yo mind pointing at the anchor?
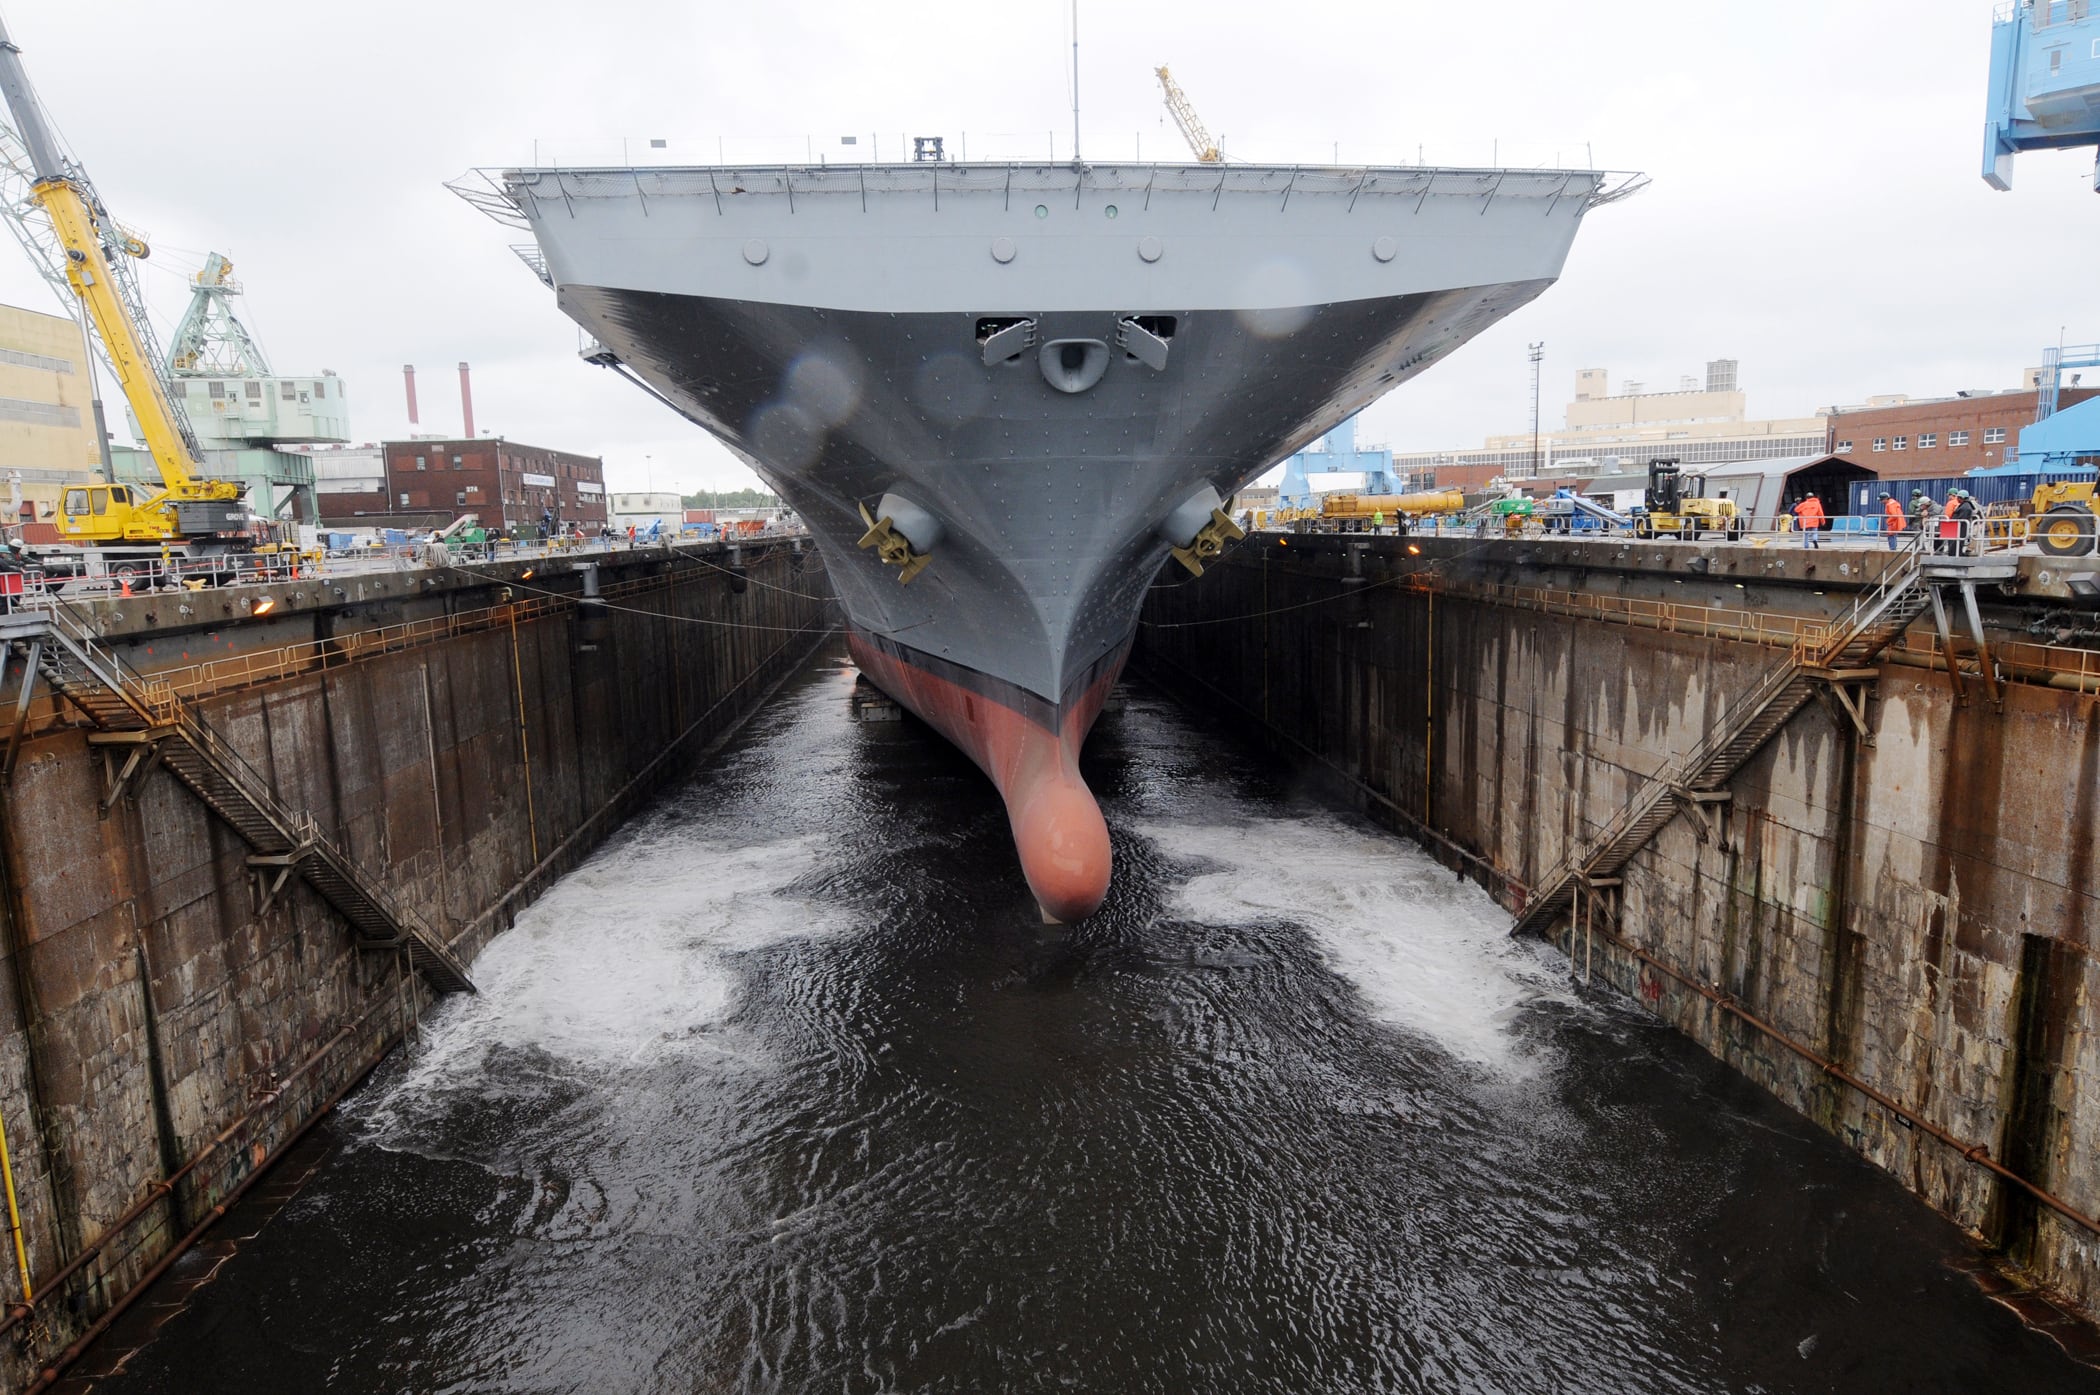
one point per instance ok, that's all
(1209, 542)
(892, 546)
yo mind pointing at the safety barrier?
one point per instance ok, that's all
(272, 568)
(2051, 665)
(1967, 537)
(231, 672)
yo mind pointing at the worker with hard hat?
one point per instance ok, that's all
(1808, 517)
(1926, 510)
(1960, 523)
(1893, 522)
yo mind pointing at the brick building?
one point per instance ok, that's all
(1907, 439)
(505, 483)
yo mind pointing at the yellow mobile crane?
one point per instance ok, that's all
(191, 523)
(1192, 128)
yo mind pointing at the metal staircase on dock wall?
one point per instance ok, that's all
(139, 723)
(1838, 655)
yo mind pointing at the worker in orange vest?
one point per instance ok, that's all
(1894, 521)
(1808, 517)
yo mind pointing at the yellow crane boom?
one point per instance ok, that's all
(73, 216)
(1192, 128)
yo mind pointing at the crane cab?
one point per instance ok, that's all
(2044, 84)
(91, 513)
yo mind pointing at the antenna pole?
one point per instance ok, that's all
(1075, 82)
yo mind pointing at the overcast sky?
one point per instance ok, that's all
(1816, 209)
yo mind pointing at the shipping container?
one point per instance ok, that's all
(1986, 489)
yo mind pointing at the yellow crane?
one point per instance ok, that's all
(190, 512)
(1192, 128)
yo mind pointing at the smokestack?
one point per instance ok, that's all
(466, 400)
(408, 376)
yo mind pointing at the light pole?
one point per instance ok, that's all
(1538, 352)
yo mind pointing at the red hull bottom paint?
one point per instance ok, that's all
(1058, 828)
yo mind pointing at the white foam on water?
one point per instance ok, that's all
(1427, 951)
(623, 960)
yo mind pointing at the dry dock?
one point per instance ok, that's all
(1831, 814)
(243, 844)
(1835, 822)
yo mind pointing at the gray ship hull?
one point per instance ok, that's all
(1050, 505)
(1043, 377)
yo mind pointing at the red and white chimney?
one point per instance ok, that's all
(466, 400)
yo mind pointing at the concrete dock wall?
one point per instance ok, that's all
(151, 1003)
(1919, 909)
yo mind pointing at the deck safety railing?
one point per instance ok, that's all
(231, 672)
(1960, 538)
(2052, 665)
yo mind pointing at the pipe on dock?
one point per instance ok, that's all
(1937, 663)
(1364, 505)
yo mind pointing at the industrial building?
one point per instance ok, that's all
(346, 470)
(507, 484)
(1699, 421)
(47, 424)
(1763, 489)
(1901, 438)
(248, 421)
(642, 509)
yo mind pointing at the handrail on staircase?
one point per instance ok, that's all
(1808, 649)
(1868, 604)
(162, 705)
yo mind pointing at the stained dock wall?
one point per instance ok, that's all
(1915, 905)
(465, 737)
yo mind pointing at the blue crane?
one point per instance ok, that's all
(2045, 83)
(2068, 438)
(1336, 453)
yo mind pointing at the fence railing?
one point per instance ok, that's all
(231, 672)
(1956, 537)
(2055, 665)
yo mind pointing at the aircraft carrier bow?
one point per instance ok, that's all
(1001, 396)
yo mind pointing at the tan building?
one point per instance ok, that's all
(1698, 421)
(47, 420)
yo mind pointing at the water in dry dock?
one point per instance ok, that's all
(785, 1091)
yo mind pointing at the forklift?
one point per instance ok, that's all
(1676, 506)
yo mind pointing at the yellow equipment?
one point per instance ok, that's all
(1414, 505)
(1192, 128)
(1350, 513)
(1676, 506)
(2063, 523)
(187, 508)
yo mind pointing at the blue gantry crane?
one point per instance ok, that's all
(2067, 438)
(1336, 453)
(2045, 83)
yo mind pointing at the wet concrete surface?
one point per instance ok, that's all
(787, 1090)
